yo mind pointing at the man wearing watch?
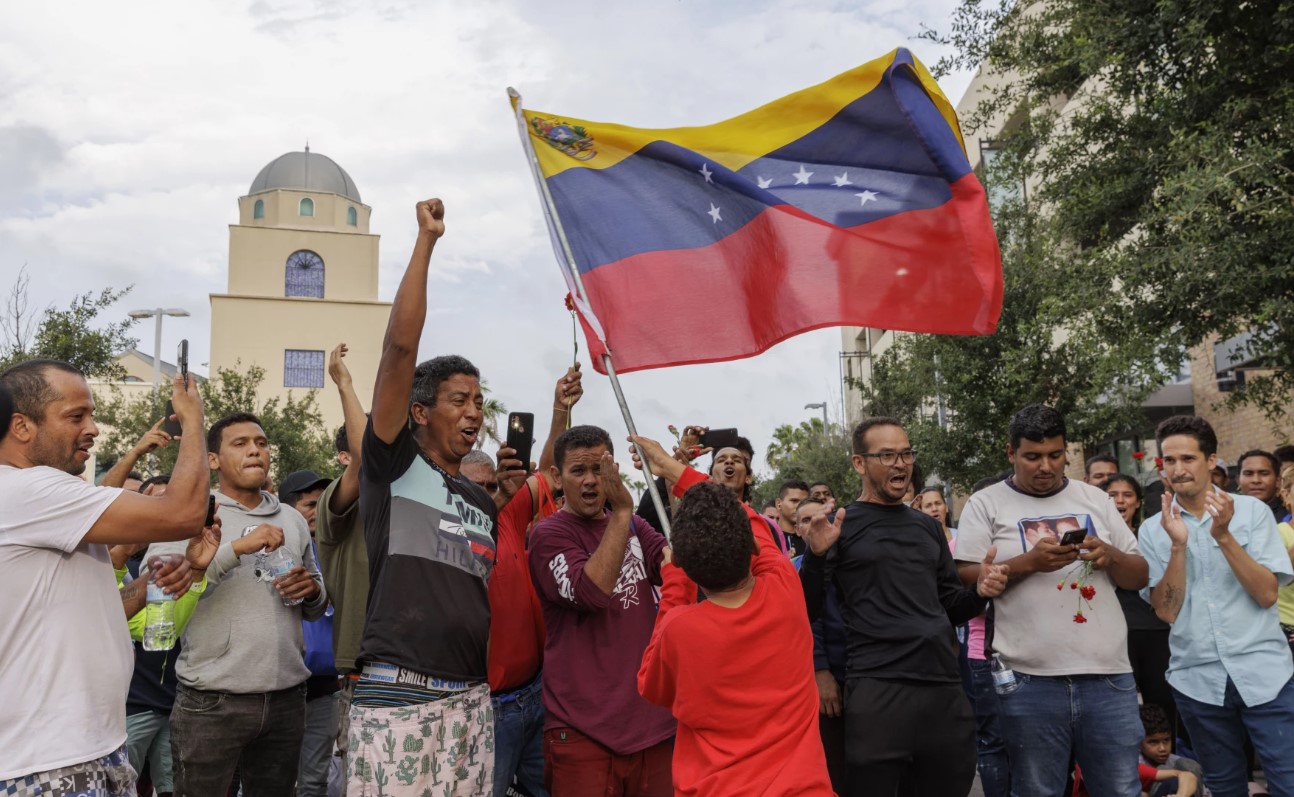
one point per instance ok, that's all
(907, 718)
(241, 698)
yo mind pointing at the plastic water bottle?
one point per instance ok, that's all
(278, 562)
(1004, 680)
(159, 619)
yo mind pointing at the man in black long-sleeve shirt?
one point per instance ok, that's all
(906, 715)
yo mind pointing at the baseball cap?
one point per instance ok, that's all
(301, 481)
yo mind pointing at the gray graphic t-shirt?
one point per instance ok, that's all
(431, 547)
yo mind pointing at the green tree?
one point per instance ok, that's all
(811, 453)
(295, 427)
(75, 335)
(493, 409)
(1172, 175)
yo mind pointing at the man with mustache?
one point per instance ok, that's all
(1216, 563)
(1067, 645)
(67, 657)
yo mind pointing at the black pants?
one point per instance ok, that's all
(832, 730)
(920, 735)
(1148, 654)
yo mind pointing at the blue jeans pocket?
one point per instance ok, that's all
(1121, 683)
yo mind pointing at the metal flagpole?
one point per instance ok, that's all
(555, 225)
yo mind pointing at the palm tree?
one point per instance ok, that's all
(492, 409)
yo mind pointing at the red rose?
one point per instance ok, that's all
(1079, 618)
(1073, 585)
(1088, 592)
(1061, 585)
(1138, 455)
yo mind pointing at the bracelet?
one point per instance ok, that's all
(563, 409)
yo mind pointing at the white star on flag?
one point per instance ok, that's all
(764, 182)
(802, 176)
(714, 213)
(706, 173)
(843, 180)
(866, 196)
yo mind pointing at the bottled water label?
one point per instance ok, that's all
(156, 594)
(1003, 678)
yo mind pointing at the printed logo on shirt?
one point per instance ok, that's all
(431, 522)
(1054, 527)
(632, 570)
(561, 576)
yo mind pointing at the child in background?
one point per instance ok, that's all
(1156, 751)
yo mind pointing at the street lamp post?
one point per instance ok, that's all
(158, 313)
(822, 405)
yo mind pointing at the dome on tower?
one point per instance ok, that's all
(305, 171)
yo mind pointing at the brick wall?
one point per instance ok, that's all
(1242, 429)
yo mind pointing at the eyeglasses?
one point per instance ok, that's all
(889, 458)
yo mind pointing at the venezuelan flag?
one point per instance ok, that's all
(850, 203)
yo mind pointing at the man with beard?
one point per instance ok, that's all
(67, 654)
(1216, 563)
(596, 567)
(907, 718)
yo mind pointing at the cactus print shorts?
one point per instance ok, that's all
(444, 748)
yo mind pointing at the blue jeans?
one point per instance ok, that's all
(994, 768)
(1094, 717)
(519, 739)
(1217, 734)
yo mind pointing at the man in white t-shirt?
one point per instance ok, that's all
(67, 655)
(1059, 625)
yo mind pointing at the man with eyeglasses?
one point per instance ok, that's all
(906, 715)
(1059, 625)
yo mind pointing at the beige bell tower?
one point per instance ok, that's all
(303, 271)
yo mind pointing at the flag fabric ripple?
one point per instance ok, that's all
(850, 203)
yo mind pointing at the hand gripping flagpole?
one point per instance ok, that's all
(567, 259)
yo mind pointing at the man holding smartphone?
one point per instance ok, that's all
(1068, 645)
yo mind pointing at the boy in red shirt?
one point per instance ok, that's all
(737, 669)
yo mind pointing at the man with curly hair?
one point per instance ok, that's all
(747, 711)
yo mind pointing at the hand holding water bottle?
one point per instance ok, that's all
(168, 578)
(293, 582)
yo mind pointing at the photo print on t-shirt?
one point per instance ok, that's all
(1053, 526)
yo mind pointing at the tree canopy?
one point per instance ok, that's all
(75, 335)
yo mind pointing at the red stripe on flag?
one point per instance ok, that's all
(936, 271)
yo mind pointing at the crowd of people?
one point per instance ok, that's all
(434, 621)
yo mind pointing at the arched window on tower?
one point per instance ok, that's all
(307, 207)
(258, 210)
(352, 218)
(304, 275)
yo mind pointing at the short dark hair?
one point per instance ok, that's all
(824, 484)
(1191, 426)
(1258, 452)
(866, 425)
(6, 410)
(586, 436)
(28, 388)
(1284, 453)
(430, 373)
(341, 442)
(1035, 422)
(987, 481)
(792, 484)
(712, 540)
(1092, 460)
(808, 502)
(1154, 720)
(162, 478)
(217, 430)
(918, 480)
(136, 475)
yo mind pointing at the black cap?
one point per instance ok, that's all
(301, 481)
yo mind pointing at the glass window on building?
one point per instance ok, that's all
(352, 217)
(307, 207)
(258, 210)
(304, 275)
(303, 368)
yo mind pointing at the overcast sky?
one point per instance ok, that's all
(128, 131)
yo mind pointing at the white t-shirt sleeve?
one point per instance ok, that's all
(974, 531)
(47, 508)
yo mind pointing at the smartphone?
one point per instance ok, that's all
(1074, 537)
(719, 438)
(170, 426)
(211, 511)
(521, 435)
(182, 359)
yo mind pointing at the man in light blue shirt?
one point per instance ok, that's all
(1216, 561)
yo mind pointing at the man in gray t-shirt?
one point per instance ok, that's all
(1058, 625)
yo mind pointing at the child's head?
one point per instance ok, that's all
(1159, 736)
(712, 540)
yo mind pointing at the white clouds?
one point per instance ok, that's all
(127, 132)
